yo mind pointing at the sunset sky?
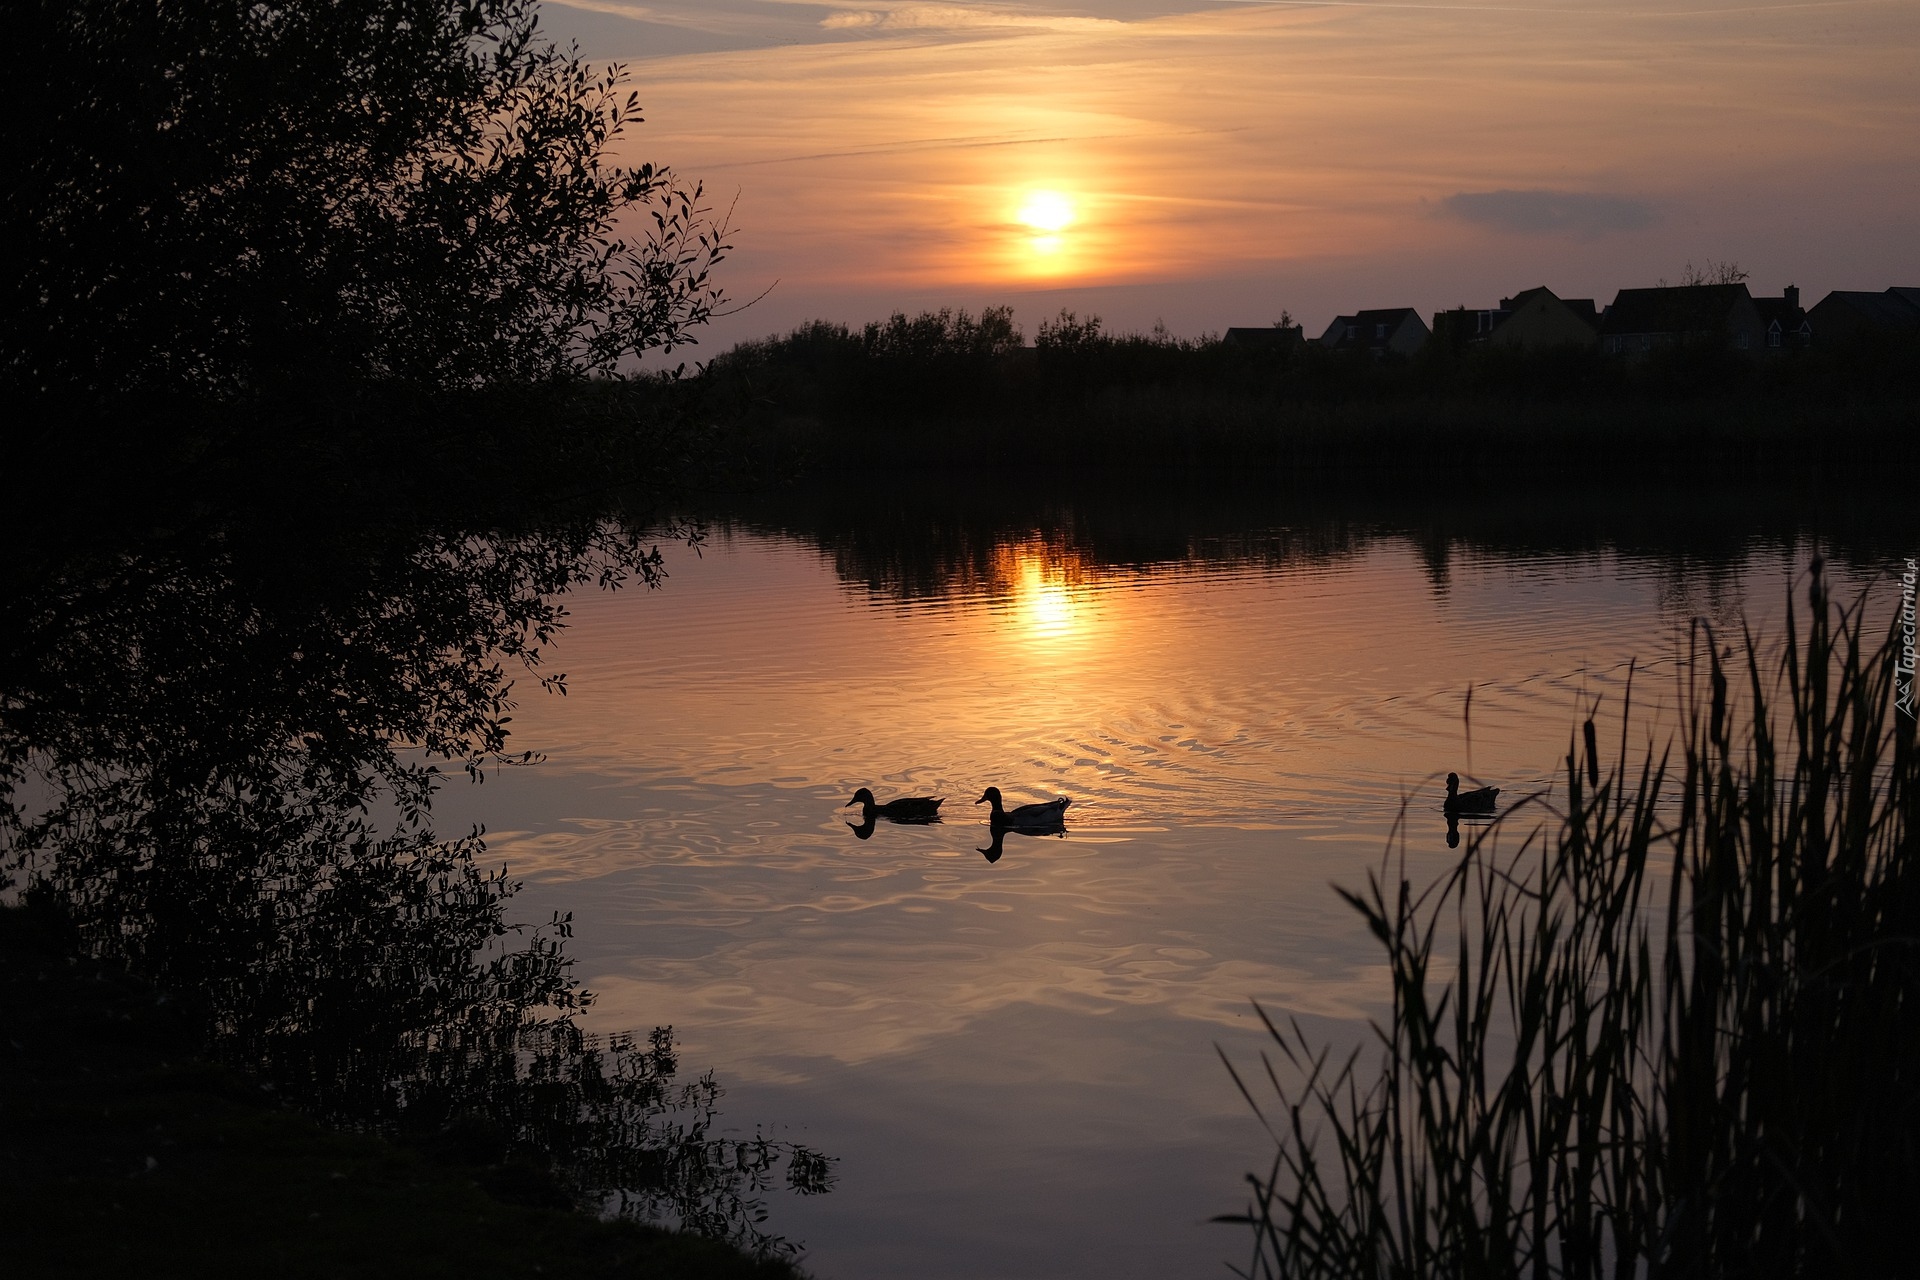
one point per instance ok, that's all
(1212, 164)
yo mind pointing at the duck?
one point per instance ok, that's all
(905, 809)
(1479, 801)
(1027, 815)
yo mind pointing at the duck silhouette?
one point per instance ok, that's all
(1027, 817)
(905, 809)
(1476, 803)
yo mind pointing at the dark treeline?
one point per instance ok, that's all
(950, 388)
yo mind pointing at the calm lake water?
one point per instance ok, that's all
(1012, 1052)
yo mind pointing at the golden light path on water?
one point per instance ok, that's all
(1045, 596)
(993, 1045)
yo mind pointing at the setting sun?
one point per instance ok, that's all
(1047, 211)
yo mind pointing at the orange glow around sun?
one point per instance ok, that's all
(1045, 215)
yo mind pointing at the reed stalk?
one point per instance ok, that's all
(1674, 1030)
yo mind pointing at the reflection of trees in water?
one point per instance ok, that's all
(901, 538)
(219, 760)
(907, 542)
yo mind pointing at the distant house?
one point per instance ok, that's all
(1841, 316)
(1272, 337)
(1532, 320)
(1645, 320)
(1395, 329)
(1465, 327)
(1586, 311)
(1786, 322)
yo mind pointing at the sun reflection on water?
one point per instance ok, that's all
(1047, 590)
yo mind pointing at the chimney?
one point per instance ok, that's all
(1792, 294)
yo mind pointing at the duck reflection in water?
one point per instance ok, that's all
(993, 850)
(910, 811)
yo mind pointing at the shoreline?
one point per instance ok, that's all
(1867, 443)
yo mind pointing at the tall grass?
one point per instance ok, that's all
(1674, 1032)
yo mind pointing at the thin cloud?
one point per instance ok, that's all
(1537, 212)
(944, 17)
(914, 145)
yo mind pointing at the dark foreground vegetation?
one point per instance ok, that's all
(126, 1152)
(1667, 1031)
(954, 390)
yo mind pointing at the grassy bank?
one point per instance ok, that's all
(952, 391)
(1664, 1028)
(126, 1153)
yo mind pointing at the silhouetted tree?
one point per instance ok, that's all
(216, 200)
(1710, 272)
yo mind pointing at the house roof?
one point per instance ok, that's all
(1365, 324)
(1383, 315)
(1521, 298)
(1894, 309)
(1581, 307)
(1687, 308)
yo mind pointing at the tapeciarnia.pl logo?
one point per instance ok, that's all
(1903, 665)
